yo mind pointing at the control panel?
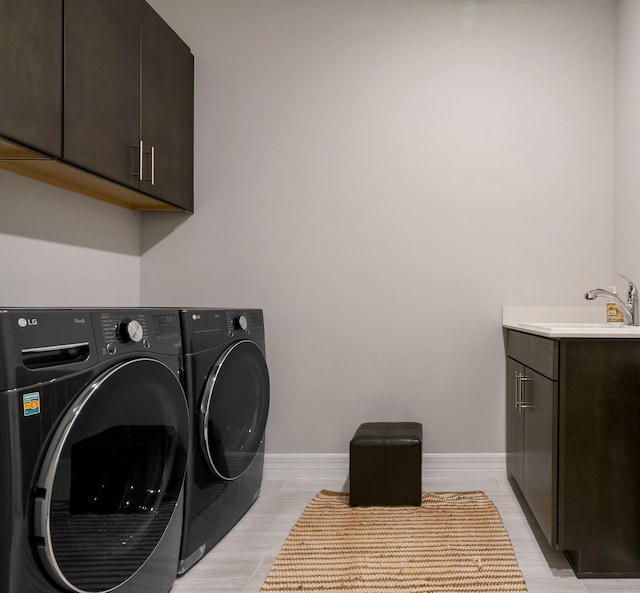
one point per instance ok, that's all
(120, 328)
(205, 328)
(237, 322)
(124, 331)
(37, 345)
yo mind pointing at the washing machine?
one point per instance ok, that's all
(94, 434)
(227, 386)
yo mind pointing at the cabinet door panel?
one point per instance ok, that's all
(102, 87)
(540, 404)
(599, 512)
(31, 73)
(515, 424)
(167, 111)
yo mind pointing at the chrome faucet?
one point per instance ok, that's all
(629, 309)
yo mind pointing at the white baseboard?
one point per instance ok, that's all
(284, 466)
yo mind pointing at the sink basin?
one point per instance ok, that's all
(577, 330)
(579, 325)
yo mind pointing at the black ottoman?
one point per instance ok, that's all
(385, 464)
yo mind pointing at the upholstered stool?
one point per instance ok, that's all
(385, 464)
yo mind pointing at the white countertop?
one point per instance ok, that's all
(565, 322)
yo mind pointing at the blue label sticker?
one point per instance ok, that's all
(31, 403)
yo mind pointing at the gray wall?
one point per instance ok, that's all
(60, 249)
(381, 176)
(627, 194)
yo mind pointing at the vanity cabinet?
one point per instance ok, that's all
(573, 445)
(128, 98)
(31, 75)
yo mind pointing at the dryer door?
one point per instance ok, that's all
(234, 409)
(112, 476)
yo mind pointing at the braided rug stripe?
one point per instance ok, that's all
(454, 542)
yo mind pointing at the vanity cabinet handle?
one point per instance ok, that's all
(519, 403)
(522, 403)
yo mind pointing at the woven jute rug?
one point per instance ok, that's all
(454, 542)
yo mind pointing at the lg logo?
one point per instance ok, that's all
(22, 322)
(195, 317)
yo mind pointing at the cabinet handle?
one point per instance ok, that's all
(522, 403)
(141, 160)
(517, 391)
(152, 159)
(153, 165)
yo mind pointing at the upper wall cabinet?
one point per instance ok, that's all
(31, 73)
(128, 109)
(124, 111)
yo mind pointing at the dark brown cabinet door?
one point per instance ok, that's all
(515, 423)
(599, 466)
(31, 73)
(532, 425)
(167, 112)
(539, 405)
(101, 91)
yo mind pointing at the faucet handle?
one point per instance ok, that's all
(633, 291)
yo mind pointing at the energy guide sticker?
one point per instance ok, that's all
(31, 403)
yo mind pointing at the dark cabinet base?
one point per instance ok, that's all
(594, 425)
(581, 564)
(602, 561)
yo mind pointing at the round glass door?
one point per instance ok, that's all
(112, 476)
(234, 409)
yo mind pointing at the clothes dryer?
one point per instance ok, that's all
(227, 386)
(94, 433)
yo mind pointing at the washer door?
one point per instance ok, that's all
(112, 476)
(234, 409)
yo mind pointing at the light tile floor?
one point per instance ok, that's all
(241, 561)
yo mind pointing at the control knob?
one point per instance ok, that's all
(240, 323)
(130, 330)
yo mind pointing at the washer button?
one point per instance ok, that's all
(130, 330)
(240, 323)
(111, 348)
(145, 343)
